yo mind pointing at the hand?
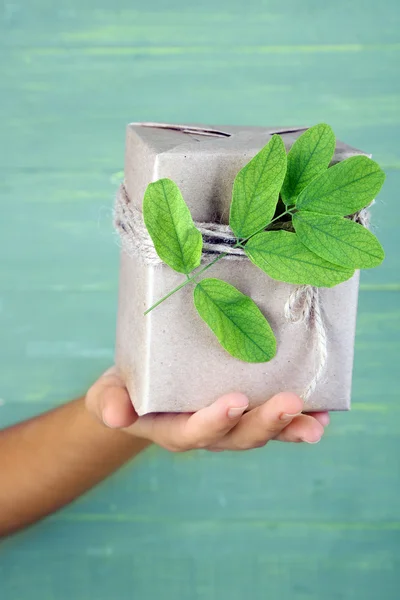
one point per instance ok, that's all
(220, 426)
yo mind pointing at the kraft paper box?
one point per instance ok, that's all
(170, 359)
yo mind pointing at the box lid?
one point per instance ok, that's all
(202, 159)
(172, 138)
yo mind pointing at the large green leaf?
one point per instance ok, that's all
(309, 156)
(338, 240)
(238, 323)
(282, 256)
(343, 189)
(170, 225)
(256, 189)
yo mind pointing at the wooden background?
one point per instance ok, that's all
(283, 522)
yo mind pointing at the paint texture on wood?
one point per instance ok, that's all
(288, 522)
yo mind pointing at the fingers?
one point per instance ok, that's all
(264, 423)
(109, 401)
(304, 428)
(180, 432)
(221, 426)
(215, 421)
(322, 417)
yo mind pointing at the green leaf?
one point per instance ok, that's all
(256, 189)
(309, 156)
(236, 320)
(170, 225)
(338, 240)
(343, 189)
(282, 256)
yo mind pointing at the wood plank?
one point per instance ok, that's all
(287, 522)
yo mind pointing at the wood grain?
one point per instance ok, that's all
(287, 522)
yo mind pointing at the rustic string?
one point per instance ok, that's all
(303, 305)
(128, 221)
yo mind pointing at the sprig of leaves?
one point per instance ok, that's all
(310, 243)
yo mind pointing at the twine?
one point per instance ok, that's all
(303, 305)
(128, 221)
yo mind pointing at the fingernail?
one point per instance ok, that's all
(104, 419)
(287, 417)
(235, 412)
(310, 442)
(324, 419)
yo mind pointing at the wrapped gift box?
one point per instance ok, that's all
(170, 360)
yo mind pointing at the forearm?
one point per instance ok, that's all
(47, 462)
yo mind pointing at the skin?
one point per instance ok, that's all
(52, 459)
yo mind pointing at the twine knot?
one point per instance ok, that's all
(304, 306)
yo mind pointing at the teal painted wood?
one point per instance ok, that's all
(286, 522)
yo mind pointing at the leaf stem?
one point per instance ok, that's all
(189, 279)
(287, 212)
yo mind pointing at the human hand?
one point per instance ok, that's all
(221, 426)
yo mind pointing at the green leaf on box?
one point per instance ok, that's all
(168, 220)
(256, 189)
(236, 320)
(343, 189)
(309, 156)
(283, 257)
(338, 240)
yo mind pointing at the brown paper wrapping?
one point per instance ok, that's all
(170, 360)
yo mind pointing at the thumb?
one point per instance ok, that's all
(181, 432)
(108, 400)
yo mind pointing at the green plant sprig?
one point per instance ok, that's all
(324, 249)
(191, 278)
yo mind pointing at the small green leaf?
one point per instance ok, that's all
(338, 240)
(236, 320)
(282, 256)
(343, 189)
(256, 189)
(309, 156)
(170, 225)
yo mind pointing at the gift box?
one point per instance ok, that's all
(169, 359)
